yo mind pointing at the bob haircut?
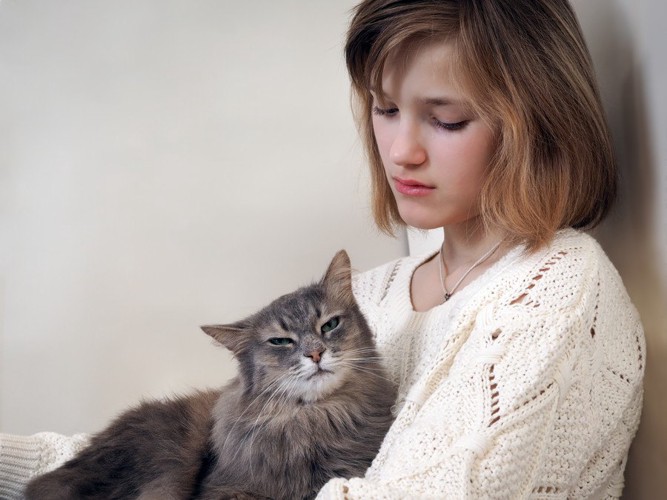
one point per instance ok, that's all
(524, 67)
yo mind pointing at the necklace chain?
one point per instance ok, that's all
(441, 264)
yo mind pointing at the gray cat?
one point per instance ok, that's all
(311, 402)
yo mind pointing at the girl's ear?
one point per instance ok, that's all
(338, 278)
(232, 336)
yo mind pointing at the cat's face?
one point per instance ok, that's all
(303, 344)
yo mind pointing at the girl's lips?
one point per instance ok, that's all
(410, 187)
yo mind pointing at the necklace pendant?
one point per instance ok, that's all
(447, 296)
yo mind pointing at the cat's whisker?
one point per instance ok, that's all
(267, 389)
(362, 351)
(255, 426)
(369, 358)
(361, 365)
(283, 383)
(367, 371)
(285, 387)
(361, 357)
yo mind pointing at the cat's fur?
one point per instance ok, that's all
(311, 402)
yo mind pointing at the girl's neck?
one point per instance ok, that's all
(463, 246)
(465, 243)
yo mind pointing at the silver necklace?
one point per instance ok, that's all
(441, 264)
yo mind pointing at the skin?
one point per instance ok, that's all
(426, 133)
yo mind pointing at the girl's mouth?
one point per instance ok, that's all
(410, 187)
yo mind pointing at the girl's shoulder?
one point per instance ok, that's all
(572, 269)
(572, 272)
(373, 285)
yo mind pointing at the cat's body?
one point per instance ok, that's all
(311, 402)
(157, 446)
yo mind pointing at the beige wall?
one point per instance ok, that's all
(627, 40)
(163, 164)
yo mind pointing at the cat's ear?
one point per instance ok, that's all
(231, 336)
(338, 278)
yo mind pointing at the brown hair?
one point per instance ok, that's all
(526, 70)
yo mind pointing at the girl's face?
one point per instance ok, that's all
(435, 151)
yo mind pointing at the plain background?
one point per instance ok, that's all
(171, 163)
(165, 164)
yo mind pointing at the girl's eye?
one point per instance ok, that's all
(384, 111)
(284, 341)
(330, 325)
(452, 127)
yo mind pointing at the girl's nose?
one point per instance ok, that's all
(407, 149)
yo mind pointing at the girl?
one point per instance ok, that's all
(518, 355)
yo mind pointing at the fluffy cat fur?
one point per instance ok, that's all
(311, 402)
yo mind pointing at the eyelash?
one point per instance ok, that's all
(384, 111)
(450, 127)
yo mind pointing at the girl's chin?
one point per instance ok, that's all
(421, 217)
(427, 221)
(422, 223)
(423, 227)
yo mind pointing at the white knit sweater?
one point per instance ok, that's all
(526, 384)
(532, 387)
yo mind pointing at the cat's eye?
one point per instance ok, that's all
(330, 325)
(281, 341)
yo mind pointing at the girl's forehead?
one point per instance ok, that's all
(423, 69)
(438, 55)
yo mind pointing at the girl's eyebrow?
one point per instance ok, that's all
(424, 101)
(441, 101)
(378, 94)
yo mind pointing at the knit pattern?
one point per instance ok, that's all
(528, 385)
(22, 457)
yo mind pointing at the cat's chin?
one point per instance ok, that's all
(319, 385)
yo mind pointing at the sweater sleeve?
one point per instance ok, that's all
(536, 395)
(23, 457)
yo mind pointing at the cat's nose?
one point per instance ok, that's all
(315, 354)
